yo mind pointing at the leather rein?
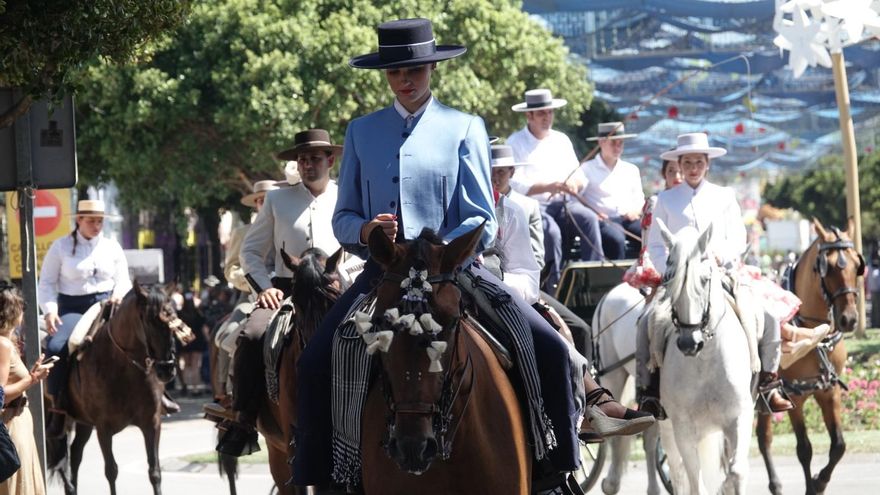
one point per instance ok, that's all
(149, 361)
(457, 385)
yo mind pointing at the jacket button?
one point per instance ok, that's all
(392, 204)
(395, 179)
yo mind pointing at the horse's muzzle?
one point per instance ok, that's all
(690, 342)
(413, 454)
(165, 372)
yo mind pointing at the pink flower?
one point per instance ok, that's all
(874, 384)
(853, 384)
(847, 370)
(871, 392)
(863, 383)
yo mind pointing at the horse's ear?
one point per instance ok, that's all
(291, 262)
(380, 246)
(703, 241)
(462, 247)
(138, 289)
(333, 261)
(667, 236)
(820, 230)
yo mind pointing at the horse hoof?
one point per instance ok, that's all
(609, 487)
(818, 485)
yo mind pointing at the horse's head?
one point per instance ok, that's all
(689, 283)
(159, 326)
(316, 286)
(415, 328)
(838, 265)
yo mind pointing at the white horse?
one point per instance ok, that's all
(614, 335)
(707, 368)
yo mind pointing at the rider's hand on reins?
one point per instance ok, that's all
(52, 323)
(388, 223)
(270, 298)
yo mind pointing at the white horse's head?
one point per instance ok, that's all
(689, 283)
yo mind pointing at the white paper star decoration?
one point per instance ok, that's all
(808, 29)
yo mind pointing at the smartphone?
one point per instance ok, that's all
(51, 359)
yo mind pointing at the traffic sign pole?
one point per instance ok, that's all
(30, 324)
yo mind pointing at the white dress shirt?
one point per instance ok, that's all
(291, 217)
(518, 264)
(706, 205)
(551, 159)
(98, 265)
(536, 225)
(410, 117)
(613, 191)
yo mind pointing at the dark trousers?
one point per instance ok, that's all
(614, 239)
(587, 226)
(312, 463)
(580, 329)
(70, 309)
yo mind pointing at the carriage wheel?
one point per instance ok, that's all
(592, 461)
(663, 467)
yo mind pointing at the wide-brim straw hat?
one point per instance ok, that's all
(694, 142)
(539, 99)
(312, 139)
(611, 130)
(260, 188)
(92, 208)
(502, 156)
(406, 43)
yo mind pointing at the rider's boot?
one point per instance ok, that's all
(610, 418)
(649, 397)
(769, 386)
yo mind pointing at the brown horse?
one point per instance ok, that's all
(443, 401)
(315, 288)
(117, 381)
(825, 279)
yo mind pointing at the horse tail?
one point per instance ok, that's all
(57, 460)
(227, 465)
(714, 469)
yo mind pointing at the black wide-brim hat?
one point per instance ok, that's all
(406, 43)
(312, 139)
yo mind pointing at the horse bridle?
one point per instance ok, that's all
(149, 361)
(456, 383)
(704, 320)
(821, 266)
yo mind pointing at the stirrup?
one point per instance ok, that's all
(652, 405)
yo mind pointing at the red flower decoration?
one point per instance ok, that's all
(740, 128)
(672, 112)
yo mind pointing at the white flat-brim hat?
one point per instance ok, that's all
(502, 156)
(539, 99)
(261, 187)
(611, 130)
(91, 208)
(694, 142)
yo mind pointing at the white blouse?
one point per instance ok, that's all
(518, 264)
(98, 265)
(706, 205)
(613, 191)
(551, 159)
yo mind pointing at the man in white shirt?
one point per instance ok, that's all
(294, 218)
(553, 177)
(614, 191)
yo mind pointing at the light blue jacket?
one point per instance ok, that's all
(438, 170)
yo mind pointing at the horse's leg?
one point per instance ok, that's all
(804, 448)
(764, 431)
(620, 446)
(736, 445)
(81, 437)
(280, 470)
(688, 442)
(829, 401)
(111, 470)
(151, 434)
(649, 440)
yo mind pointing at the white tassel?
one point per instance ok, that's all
(378, 341)
(435, 352)
(391, 315)
(362, 322)
(429, 324)
(405, 322)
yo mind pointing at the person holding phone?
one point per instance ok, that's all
(15, 379)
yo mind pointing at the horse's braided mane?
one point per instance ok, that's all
(313, 291)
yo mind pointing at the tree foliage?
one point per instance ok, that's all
(44, 42)
(230, 87)
(821, 193)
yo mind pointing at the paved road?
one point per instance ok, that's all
(188, 434)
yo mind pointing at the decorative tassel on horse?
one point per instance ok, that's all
(435, 352)
(378, 341)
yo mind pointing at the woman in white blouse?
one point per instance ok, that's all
(79, 270)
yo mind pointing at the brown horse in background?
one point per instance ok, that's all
(825, 279)
(315, 289)
(453, 429)
(117, 381)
